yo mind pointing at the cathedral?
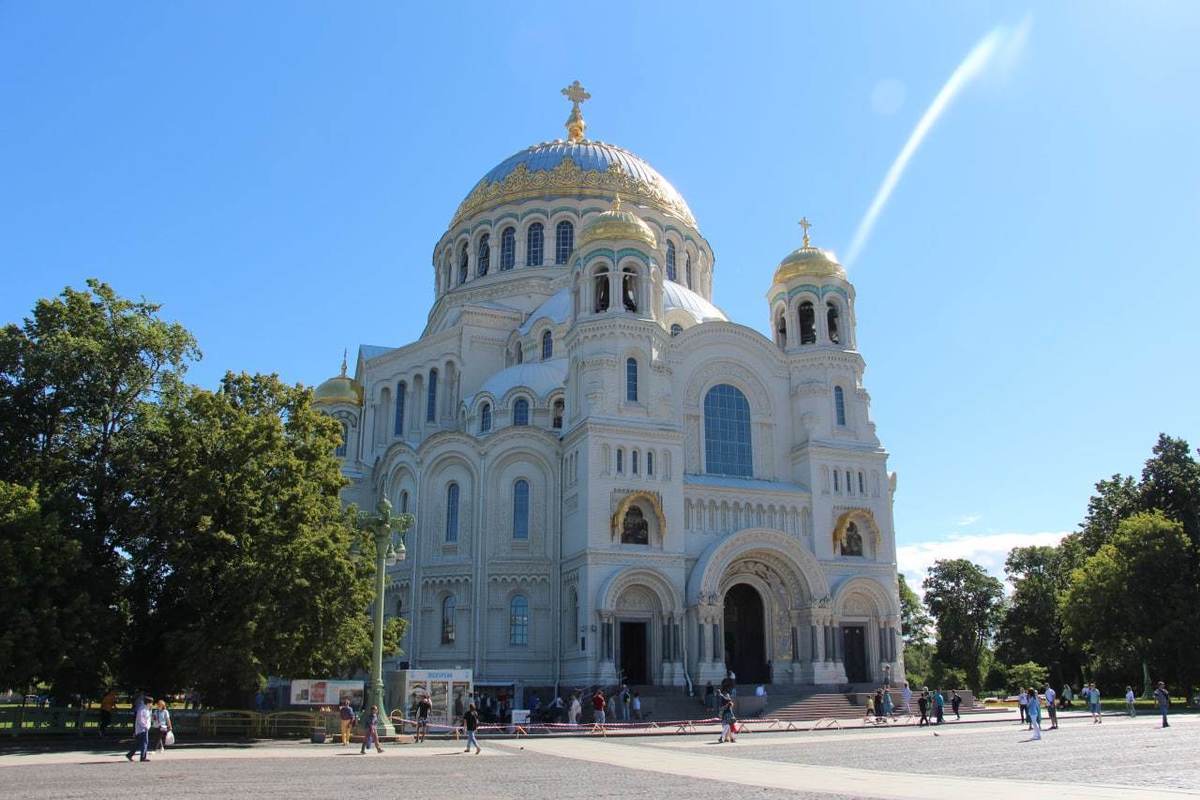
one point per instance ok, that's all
(612, 480)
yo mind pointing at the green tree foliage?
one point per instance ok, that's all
(1031, 629)
(1024, 676)
(241, 557)
(73, 378)
(915, 626)
(1136, 597)
(966, 603)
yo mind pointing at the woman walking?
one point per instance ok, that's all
(888, 708)
(372, 734)
(1093, 695)
(1130, 708)
(471, 723)
(1035, 713)
(728, 721)
(160, 719)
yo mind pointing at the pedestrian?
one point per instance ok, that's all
(923, 703)
(1093, 695)
(1067, 695)
(108, 704)
(1023, 706)
(710, 696)
(598, 704)
(345, 720)
(141, 730)
(424, 706)
(955, 702)
(728, 720)
(889, 710)
(471, 723)
(637, 706)
(1050, 707)
(939, 706)
(870, 708)
(371, 735)
(1035, 713)
(879, 705)
(1130, 708)
(626, 702)
(906, 696)
(1164, 702)
(576, 709)
(160, 726)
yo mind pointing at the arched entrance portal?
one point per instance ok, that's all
(745, 634)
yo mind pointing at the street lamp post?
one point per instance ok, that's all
(383, 526)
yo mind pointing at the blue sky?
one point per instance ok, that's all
(276, 174)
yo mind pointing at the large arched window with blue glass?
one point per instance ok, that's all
(535, 239)
(727, 449)
(564, 241)
(401, 399)
(452, 513)
(508, 248)
(521, 412)
(484, 260)
(631, 380)
(485, 418)
(521, 509)
(431, 397)
(464, 260)
(671, 276)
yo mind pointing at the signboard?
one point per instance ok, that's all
(520, 716)
(326, 693)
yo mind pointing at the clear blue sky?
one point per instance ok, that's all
(276, 174)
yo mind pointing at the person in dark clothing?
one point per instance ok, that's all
(424, 706)
(471, 723)
(879, 704)
(955, 702)
(1164, 702)
(923, 704)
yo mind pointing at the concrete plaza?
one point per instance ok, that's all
(1121, 758)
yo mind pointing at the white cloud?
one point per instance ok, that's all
(968, 519)
(988, 550)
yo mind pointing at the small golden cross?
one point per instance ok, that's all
(576, 93)
(805, 224)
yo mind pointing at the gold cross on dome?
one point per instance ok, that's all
(805, 224)
(575, 124)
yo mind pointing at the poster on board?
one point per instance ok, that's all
(326, 692)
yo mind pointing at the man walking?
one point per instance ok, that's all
(1093, 697)
(141, 730)
(939, 706)
(345, 720)
(923, 702)
(1164, 702)
(598, 705)
(1023, 705)
(1130, 708)
(424, 706)
(1050, 706)
(955, 702)
(471, 723)
(906, 696)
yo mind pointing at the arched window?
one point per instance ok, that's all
(631, 380)
(634, 459)
(839, 404)
(620, 461)
(650, 462)
(808, 323)
(404, 502)
(852, 545)
(687, 270)
(634, 528)
(431, 397)
(559, 408)
(521, 412)
(600, 287)
(340, 450)
(671, 261)
(452, 513)
(727, 449)
(849, 483)
(521, 509)
(629, 289)
(401, 399)
(837, 482)
(519, 354)
(676, 329)
(508, 248)
(547, 345)
(518, 621)
(464, 260)
(831, 317)
(484, 258)
(449, 606)
(862, 485)
(781, 329)
(485, 418)
(534, 241)
(564, 241)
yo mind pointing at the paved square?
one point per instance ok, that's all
(1120, 759)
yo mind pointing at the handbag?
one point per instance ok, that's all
(170, 740)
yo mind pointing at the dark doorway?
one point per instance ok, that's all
(633, 653)
(854, 652)
(745, 635)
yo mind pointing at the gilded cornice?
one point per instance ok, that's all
(567, 178)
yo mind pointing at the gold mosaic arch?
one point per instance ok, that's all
(631, 498)
(863, 515)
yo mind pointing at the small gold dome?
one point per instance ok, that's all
(616, 223)
(810, 262)
(340, 389)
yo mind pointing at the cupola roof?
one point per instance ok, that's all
(339, 389)
(616, 223)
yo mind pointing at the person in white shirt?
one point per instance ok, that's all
(1129, 698)
(1033, 709)
(141, 730)
(1050, 706)
(576, 710)
(906, 695)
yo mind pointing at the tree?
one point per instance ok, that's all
(73, 378)
(241, 560)
(1031, 630)
(1134, 599)
(1027, 675)
(914, 621)
(966, 603)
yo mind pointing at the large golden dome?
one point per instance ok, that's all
(616, 223)
(339, 389)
